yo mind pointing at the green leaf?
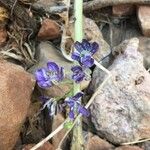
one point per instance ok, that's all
(68, 125)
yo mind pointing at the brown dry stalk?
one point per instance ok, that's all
(97, 4)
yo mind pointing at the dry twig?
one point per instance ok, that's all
(97, 4)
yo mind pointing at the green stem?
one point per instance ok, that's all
(77, 140)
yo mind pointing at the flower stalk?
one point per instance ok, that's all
(77, 140)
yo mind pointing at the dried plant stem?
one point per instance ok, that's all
(78, 117)
(97, 4)
(135, 142)
(64, 34)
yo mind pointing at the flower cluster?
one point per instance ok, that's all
(84, 51)
(83, 54)
(74, 104)
(46, 77)
(52, 74)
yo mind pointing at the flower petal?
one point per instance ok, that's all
(78, 77)
(76, 69)
(86, 45)
(83, 111)
(71, 114)
(41, 74)
(52, 66)
(75, 56)
(61, 74)
(44, 84)
(78, 46)
(78, 73)
(77, 96)
(87, 61)
(94, 47)
(70, 102)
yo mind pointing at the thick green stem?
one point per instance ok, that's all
(78, 14)
(78, 30)
(77, 140)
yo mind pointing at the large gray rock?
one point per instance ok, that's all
(121, 111)
(144, 49)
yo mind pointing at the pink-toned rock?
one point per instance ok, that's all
(3, 36)
(96, 143)
(49, 30)
(123, 10)
(15, 91)
(46, 146)
(121, 110)
(143, 13)
(129, 148)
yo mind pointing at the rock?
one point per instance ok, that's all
(49, 53)
(144, 48)
(121, 110)
(123, 10)
(46, 146)
(143, 14)
(122, 28)
(96, 143)
(49, 30)
(3, 36)
(145, 145)
(128, 148)
(15, 92)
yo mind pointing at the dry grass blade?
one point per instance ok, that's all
(6, 54)
(135, 142)
(64, 35)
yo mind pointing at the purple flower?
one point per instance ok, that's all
(46, 77)
(78, 74)
(51, 104)
(74, 104)
(84, 52)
